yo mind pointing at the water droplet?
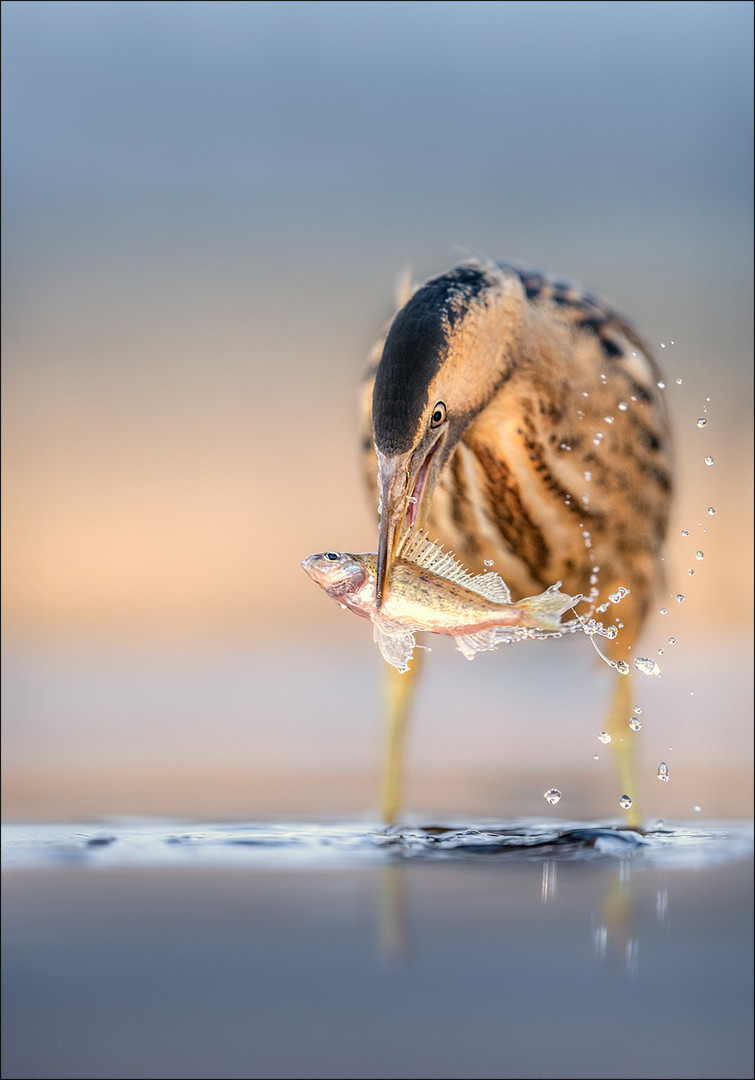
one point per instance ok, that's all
(661, 652)
(680, 597)
(662, 773)
(699, 555)
(588, 474)
(709, 460)
(711, 510)
(672, 641)
(625, 802)
(623, 406)
(585, 394)
(635, 724)
(663, 611)
(637, 710)
(707, 399)
(553, 795)
(411, 499)
(622, 667)
(697, 808)
(604, 737)
(644, 663)
(678, 381)
(685, 532)
(701, 421)
(663, 346)
(596, 757)
(608, 419)
(662, 385)
(690, 573)
(487, 562)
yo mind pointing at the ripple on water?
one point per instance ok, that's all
(168, 843)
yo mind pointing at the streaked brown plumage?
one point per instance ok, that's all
(523, 413)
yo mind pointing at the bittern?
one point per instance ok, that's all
(521, 421)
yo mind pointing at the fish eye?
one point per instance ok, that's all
(332, 555)
(439, 414)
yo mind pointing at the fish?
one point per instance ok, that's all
(429, 590)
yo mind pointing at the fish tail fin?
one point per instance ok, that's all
(544, 611)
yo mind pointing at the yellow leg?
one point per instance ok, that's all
(624, 745)
(398, 698)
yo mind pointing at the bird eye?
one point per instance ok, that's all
(332, 555)
(439, 414)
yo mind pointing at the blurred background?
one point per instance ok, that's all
(206, 209)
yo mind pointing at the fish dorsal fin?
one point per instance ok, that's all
(423, 552)
(492, 586)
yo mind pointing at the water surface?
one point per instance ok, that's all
(449, 949)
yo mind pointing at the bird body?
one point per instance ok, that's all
(552, 456)
(522, 421)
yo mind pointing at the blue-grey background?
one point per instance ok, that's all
(206, 207)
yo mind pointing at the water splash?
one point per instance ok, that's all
(646, 665)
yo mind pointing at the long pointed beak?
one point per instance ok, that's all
(393, 482)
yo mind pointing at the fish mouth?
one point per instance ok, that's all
(405, 492)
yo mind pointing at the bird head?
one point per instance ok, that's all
(447, 352)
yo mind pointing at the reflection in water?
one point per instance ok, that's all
(392, 917)
(549, 882)
(614, 936)
(661, 906)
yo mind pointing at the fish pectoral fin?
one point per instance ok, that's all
(471, 644)
(396, 647)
